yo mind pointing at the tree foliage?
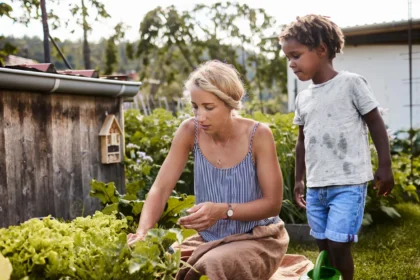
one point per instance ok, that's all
(83, 17)
(172, 43)
(111, 51)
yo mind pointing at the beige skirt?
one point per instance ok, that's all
(259, 255)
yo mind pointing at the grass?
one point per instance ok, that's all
(390, 250)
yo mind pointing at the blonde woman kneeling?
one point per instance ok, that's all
(237, 183)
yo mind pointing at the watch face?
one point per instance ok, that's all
(230, 213)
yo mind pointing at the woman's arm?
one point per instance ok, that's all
(269, 178)
(167, 177)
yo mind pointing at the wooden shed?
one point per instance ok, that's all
(50, 147)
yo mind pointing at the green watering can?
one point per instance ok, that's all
(322, 271)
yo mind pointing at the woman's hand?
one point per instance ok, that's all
(204, 215)
(134, 237)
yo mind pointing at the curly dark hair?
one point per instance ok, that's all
(312, 30)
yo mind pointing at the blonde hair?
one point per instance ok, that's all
(219, 78)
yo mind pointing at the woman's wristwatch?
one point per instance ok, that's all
(229, 212)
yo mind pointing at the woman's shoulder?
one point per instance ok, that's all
(262, 134)
(186, 131)
(188, 124)
(246, 122)
(261, 128)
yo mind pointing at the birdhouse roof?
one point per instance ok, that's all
(109, 121)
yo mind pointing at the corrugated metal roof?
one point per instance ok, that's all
(380, 27)
(14, 60)
(370, 28)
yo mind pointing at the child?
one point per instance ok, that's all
(333, 145)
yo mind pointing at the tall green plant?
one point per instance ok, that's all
(148, 140)
(129, 207)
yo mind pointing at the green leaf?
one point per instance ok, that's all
(174, 208)
(137, 207)
(390, 211)
(367, 219)
(410, 188)
(110, 208)
(134, 267)
(178, 234)
(107, 193)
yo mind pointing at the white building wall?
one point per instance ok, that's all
(386, 70)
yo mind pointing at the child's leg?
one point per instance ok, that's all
(317, 213)
(322, 245)
(341, 258)
(346, 208)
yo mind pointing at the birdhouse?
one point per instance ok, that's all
(110, 140)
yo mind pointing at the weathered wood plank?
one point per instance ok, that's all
(13, 160)
(76, 185)
(27, 132)
(89, 143)
(44, 191)
(4, 196)
(61, 143)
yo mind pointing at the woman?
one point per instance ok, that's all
(237, 182)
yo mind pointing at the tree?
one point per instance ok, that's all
(6, 48)
(32, 10)
(111, 51)
(173, 43)
(5, 10)
(81, 11)
(47, 52)
(235, 33)
(168, 47)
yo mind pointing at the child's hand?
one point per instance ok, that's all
(385, 179)
(300, 194)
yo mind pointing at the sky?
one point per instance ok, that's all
(344, 12)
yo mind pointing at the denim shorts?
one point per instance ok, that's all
(336, 212)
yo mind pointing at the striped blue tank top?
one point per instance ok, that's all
(238, 184)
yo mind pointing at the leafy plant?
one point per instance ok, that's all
(405, 188)
(88, 248)
(401, 142)
(148, 141)
(131, 208)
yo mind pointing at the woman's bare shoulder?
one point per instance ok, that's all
(188, 125)
(262, 129)
(186, 131)
(246, 123)
(263, 134)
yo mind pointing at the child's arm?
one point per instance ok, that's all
(377, 129)
(300, 169)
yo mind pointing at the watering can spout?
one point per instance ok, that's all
(322, 270)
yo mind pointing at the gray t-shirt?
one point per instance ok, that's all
(336, 136)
